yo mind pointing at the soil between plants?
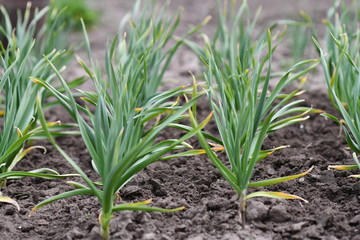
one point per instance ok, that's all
(333, 211)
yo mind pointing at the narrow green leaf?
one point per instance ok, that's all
(141, 206)
(279, 180)
(59, 197)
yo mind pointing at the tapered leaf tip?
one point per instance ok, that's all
(148, 201)
(354, 176)
(206, 20)
(34, 80)
(310, 169)
(208, 117)
(10, 201)
(54, 123)
(18, 131)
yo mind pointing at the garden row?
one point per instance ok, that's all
(121, 121)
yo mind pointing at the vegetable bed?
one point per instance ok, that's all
(332, 212)
(325, 203)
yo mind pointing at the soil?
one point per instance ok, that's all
(211, 212)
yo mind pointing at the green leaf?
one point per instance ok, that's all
(264, 153)
(279, 180)
(141, 206)
(34, 173)
(59, 197)
(91, 185)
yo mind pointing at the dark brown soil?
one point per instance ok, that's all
(333, 211)
(211, 205)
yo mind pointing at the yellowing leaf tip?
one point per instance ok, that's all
(34, 80)
(148, 201)
(10, 201)
(354, 176)
(342, 167)
(303, 79)
(211, 114)
(290, 196)
(317, 111)
(207, 19)
(199, 151)
(310, 169)
(50, 124)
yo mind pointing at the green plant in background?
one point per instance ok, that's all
(300, 34)
(44, 25)
(341, 70)
(342, 29)
(34, 35)
(74, 10)
(246, 109)
(20, 60)
(148, 29)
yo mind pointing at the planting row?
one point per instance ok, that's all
(121, 120)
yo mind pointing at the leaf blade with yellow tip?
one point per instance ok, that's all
(277, 195)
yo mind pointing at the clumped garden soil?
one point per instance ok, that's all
(333, 211)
